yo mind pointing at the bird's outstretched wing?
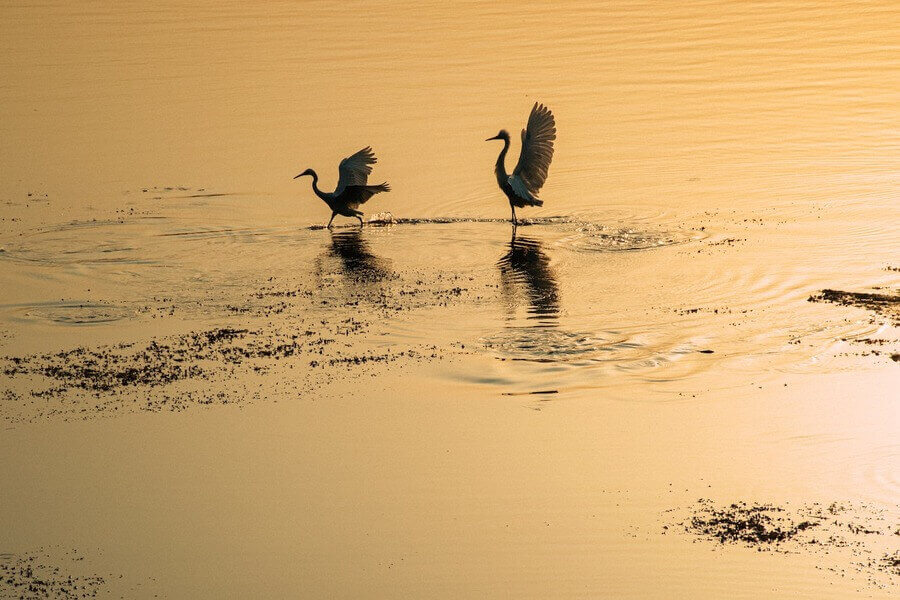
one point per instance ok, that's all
(355, 195)
(355, 169)
(537, 148)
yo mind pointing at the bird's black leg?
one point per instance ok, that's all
(514, 222)
(360, 220)
(330, 220)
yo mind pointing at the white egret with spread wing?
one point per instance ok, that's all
(352, 189)
(534, 160)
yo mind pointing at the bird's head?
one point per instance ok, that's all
(503, 135)
(306, 172)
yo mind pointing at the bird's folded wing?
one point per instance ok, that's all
(537, 148)
(355, 169)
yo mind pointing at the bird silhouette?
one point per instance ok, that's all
(534, 160)
(352, 189)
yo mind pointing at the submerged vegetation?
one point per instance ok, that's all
(751, 524)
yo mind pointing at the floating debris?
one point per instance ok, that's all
(891, 563)
(35, 576)
(840, 533)
(885, 305)
(750, 524)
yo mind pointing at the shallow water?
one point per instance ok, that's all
(207, 393)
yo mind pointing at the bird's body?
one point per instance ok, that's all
(352, 189)
(520, 197)
(528, 177)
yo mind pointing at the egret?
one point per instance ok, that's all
(352, 189)
(534, 160)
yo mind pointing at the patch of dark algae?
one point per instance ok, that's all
(158, 363)
(751, 524)
(220, 366)
(849, 537)
(89, 381)
(885, 305)
(33, 576)
(890, 563)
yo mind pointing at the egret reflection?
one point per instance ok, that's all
(525, 268)
(355, 260)
(525, 272)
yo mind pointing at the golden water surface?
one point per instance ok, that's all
(541, 400)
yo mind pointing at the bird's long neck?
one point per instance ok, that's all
(500, 169)
(315, 187)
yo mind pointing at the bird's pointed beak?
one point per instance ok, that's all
(496, 137)
(296, 176)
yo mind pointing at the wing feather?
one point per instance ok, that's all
(355, 195)
(355, 169)
(537, 148)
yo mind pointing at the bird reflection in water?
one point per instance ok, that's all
(525, 267)
(526, 273)
(355, 260)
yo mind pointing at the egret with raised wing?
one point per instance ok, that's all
(352, 189)
(534, 160)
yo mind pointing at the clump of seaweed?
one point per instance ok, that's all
(750, 524)
(885, 305)
(32, 576)
(846, 536)
(159, 362)
(891, 563)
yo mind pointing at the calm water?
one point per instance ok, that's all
(481, 415)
